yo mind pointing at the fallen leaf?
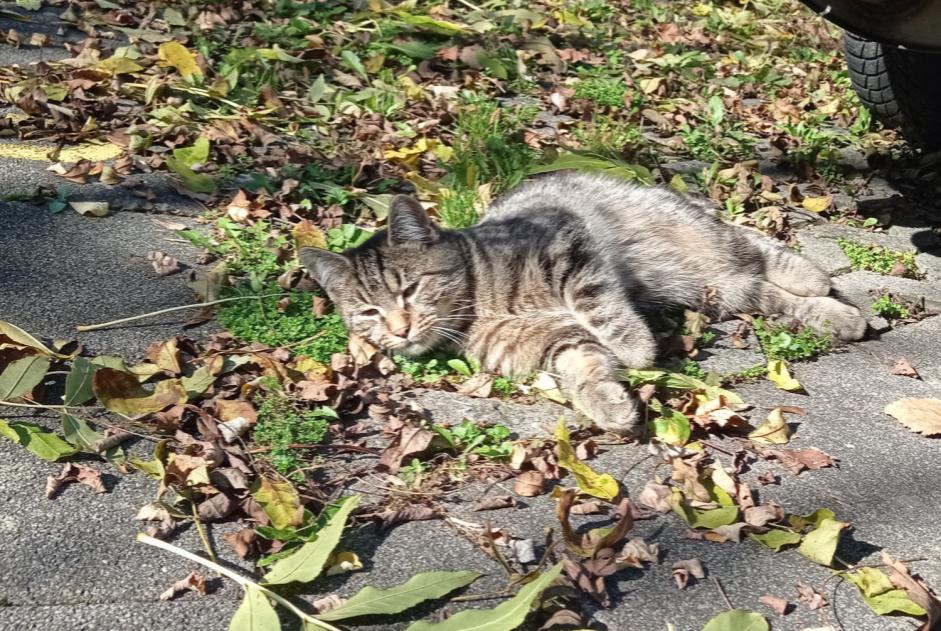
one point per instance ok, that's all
(737, 620)
(529, 484)
(774, 431)
(776, 539)
(495, 502)
(41, 443)
(917, 591)
(176, 55)
(72, 472)
(810, 596)
(881, 594)
(637, 552)
(780, 605)
(163, 264)
(903, 368)
(817, 204)
(687, 569)
(121, 393)
(343, 563)
(479, 385)
(922, 416)
(599, 485)
(759, 516)
(95, 209)
(279, 501)
(410, 440)
(192, 583)
(778, 375)
(415, 512)
(820, 544)
(656, 496)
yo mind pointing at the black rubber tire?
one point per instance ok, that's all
(902, 88)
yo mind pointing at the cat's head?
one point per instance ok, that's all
(403, 289)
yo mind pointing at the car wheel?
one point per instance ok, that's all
(902, 88)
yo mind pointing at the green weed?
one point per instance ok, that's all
(875, 258)
(604, 91)
(889, 309)
(469, 438)
(753, 373)
(692, 368)
(260, 320)
(779, 341)
(282, 424)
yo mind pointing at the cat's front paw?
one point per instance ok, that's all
(610, 406)
(845, 321)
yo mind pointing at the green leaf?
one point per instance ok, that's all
(590, 162)
(671, 427)
(182, 161)
(880, 594)
(280, 502)
(255, 613)
(737, 620)
(714, 518)
(22, 375)
(776, 539)
(505, 617)
(30, 5)
(459, 366)
(596, 484)
(198, 153)
(21, 339)
(38, 441)
(799, 522)
(78, 388)
(352, 61)
(306, 564)
(197, 383)
(820, 545)
(716, 110)
(78, 433)
(370, 601)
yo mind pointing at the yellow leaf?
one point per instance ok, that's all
(307, 235)
(176, 55)
(597, 484)
(817, 204)
(779, 376)
(120, 65)
(343, 562)
(774, 431)
(545, 385)
(649, 86)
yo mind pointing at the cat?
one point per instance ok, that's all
(559, 276)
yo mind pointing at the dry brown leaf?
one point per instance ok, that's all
(780, 605)
(529, 484)
(922, 416)
(759, 516)
(903, 368)
(810, 596)
(636, 552)
(479, 385)
(916, 590)
(687, 569)
(495, 502)
(410, 440)
(72, 472)
(192, 583)
(656, 496)
(163, 263)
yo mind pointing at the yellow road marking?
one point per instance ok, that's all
(40, 153)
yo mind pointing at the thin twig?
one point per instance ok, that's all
(198, 305)
(725, 597)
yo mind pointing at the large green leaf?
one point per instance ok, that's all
(776, 539)
(590, 162)
(880, 594)
(44, 444)
(255, 613)
(81, 436)
(505, 617)
(22, 375)
(715, 517)
(370, 601)
(820, 545)
(78, 388)
(737, 620)
(306, 564)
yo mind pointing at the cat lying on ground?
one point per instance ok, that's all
(559, 275)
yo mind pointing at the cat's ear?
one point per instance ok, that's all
(408, 222)
(325, 267)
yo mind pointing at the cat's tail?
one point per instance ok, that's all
(789, 270)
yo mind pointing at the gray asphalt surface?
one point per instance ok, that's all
(72, 563)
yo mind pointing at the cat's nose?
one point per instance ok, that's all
(398, 322)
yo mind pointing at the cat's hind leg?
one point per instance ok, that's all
(821, 313)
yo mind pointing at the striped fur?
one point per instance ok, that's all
(559, 275)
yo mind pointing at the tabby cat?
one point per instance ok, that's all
(559, 276)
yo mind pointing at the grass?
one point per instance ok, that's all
(282, 423)
(263, 320)
(875, 258)
(780, 341)
(889, 309)
(603, 91)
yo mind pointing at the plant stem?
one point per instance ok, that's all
(245, 583)
(198, 305)
(202, 533)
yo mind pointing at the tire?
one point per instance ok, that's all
(902, 88)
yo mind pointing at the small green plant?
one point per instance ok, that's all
(58, 203)
(469, 438)
(283, 424)
(875, 258)
(717, 137)
(346, 236)
(692, 368)
(433, 367)
(779, 341)
(264, 320)
(458, 208)
(889, 309)
(504, 386)
(604, 91)
(753, 373)
(607, 135)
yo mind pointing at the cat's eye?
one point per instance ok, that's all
(410, 290)
(370, 313)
